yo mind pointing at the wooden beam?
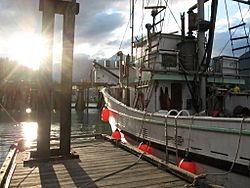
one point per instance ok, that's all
(66, 81)
(45, 86)
(61, 7)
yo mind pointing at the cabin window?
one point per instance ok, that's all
(107, 63)
(169, 60)
(117, 64)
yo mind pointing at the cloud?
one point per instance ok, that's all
(81, 68)
(19, 15)
(117, 43)
(235, 19)
(100, 27)
(99, 18)
(222, 45)
(100, 24)
(96, 23)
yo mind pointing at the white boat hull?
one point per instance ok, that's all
(223, 139)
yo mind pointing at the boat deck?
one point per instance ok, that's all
(101, 163)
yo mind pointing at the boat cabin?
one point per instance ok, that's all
(167, 78)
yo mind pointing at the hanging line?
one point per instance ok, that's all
(129, 22)
(228, 25)
(166, 1)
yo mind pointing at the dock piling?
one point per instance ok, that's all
(68, 9)
(66, 81)
(45, 80)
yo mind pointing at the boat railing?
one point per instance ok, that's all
(166, 132)
(179, 113)
(187, 115)
(176, 131)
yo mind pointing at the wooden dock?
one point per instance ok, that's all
(101, 163)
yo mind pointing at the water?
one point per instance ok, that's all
(9, 133)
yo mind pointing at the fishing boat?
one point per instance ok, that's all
(174, 97)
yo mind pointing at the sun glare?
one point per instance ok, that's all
(30, 132)
(28, 49)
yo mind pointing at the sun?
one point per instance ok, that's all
(28, 49)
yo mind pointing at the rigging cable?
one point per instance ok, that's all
(164, 14)
(228, 24)
(129, 21)
(164, 22)
(124, 35)
(143, 16)
(8, 114)
(168, 17)
(166, 1)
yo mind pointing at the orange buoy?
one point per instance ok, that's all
(105, 114)
(116, 135)
(188, 165)
(146, 148)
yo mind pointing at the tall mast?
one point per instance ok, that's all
(132, 28)
(201, 53)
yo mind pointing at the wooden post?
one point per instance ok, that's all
(68, 9)
(45, 83)
(66, 81)
(87, 104)
(127, 80)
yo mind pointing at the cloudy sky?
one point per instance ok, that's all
(101, 25)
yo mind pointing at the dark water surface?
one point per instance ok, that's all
(81, 124)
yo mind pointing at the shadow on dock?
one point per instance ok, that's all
(102, 163)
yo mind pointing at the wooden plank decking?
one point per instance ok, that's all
(98, 160)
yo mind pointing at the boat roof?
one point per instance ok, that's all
(143, 41)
